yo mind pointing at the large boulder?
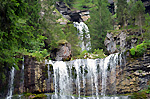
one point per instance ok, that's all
(62, 52)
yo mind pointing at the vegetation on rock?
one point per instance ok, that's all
(140, 49)
(31, 27)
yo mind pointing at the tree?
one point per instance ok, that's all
(138, 11)
(51, 29)
(121, 12)
(56, 32)
(147, 27)
(131, 19)
(83, 4)
(72, 37)
(99, 24)
(19, 31)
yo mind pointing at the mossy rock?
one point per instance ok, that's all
(139, 95)
(35, 96)
(62, 42)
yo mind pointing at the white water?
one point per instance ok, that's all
(77, 64)
(22, 76)
(11, 82)
(83, 28)
(104, 68)
(89, 76)
(65, 82)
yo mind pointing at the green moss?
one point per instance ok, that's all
(45, 71)
(139, 95)
(140, 71)
(62, 41)
(28, 94)
(117, 46)
(128, 78)
(40, 96)
(35, 96)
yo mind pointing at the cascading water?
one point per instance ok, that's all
(11, 82)
(77, 64)
(83, 33)
(22, 76)
(84, 77)
(106, 64)
(92, 68)
(81, 77)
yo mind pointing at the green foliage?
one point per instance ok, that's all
(132, 51)
(146, 35)
(72, 37)
(122, 13)
(40, 55)
(39, 96)
(140, 49)
(83, 4)
(49, 26)
(99, 24)
(142, 94)
(35, 96)
(98, 53)
(62, 41)
(139, 95)
(19, 31)
(83, 53)
(137, 12)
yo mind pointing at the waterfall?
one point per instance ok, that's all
(92, 68)
(77, 65)
(104, 68)
(22, 76)
(109, 64)
(11, 82)
(83, 35)
(85, 76)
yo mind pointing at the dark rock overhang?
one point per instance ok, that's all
(74, 16)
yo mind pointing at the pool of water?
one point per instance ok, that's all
(73, 97)
(51, 96)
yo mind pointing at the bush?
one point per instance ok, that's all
(140, 49)
(100, 53)
(132, 51)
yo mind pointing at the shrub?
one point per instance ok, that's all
(140, 49)
(132, 51)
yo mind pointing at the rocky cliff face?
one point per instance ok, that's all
(122, 40)
(130, 75)
(36, 76)
(133, 75)
(74, 16)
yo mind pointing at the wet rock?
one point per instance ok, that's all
(35, 79)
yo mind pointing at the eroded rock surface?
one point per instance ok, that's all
(121, 41)
(62, 52)
(74, 16)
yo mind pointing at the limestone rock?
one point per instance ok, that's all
(63, 52)
(74, 16)
(120, 41)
